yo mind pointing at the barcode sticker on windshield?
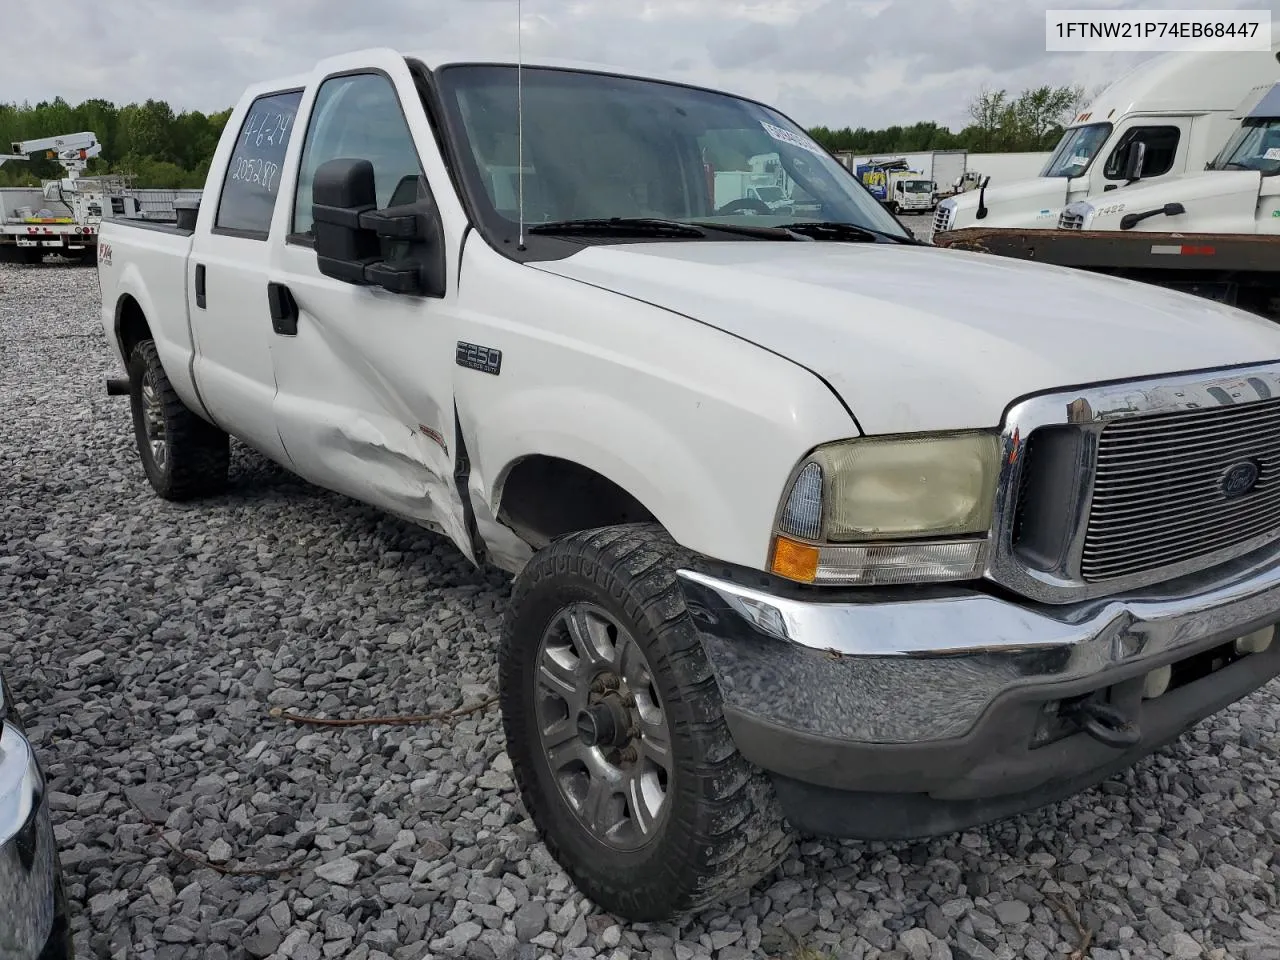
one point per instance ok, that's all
(786, 136)
(1272, 153)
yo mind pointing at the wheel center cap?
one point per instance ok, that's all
(603, 724)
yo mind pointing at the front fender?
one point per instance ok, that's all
(701, 427)
(665, 471)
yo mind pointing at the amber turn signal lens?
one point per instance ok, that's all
(795, 561)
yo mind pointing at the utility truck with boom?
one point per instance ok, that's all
(814, 528)
(1176, 107)
(64, 218)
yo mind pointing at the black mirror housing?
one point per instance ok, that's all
(344, 189)
(352, 235)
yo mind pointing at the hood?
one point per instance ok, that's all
(1020, 203)
(926, 338)
(1218, 201)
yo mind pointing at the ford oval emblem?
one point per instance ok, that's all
(1240, 478)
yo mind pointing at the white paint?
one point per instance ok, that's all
(1216, 201)
(695, 376)
(924, 338)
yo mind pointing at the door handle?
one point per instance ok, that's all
(284, 310)
(200, 292)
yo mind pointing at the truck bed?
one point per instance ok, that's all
(147, 262)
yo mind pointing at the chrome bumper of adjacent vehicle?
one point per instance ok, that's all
(907, 668)
(29, 867)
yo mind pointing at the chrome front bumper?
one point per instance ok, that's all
(897, 669)
(32, 924)
(917, 713)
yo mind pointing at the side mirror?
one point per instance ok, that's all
(351, 233)
(1134, 161)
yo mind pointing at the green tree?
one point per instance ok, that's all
(1031, 121)
(148, 140)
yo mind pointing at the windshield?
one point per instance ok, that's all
(1076, 150)
(598, 146)
(918, 186)
(769, 194)
(1255, 146)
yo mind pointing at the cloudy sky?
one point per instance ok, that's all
(834, 62)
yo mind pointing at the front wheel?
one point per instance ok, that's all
(616, 735)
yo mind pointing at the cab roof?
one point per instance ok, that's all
(487, 54)
(1186, 82)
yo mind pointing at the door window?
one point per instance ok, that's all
(253, 176)
(360, 117)
(1162, 149)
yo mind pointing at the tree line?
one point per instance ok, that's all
(999, 122)
(149, 140)
(164, 149)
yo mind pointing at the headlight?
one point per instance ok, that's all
(896, 510)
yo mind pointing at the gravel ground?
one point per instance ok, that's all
(148, 644)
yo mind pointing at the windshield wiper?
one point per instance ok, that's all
(744, 230)
(616, 226)
(836, 230)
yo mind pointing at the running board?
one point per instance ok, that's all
(117, 387)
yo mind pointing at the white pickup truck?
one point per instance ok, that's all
(814, 529)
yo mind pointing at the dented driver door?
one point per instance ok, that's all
(364, 377)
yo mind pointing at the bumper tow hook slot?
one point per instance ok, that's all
(1106, 724)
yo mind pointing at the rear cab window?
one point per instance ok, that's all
(252, 180)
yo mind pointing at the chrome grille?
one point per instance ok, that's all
(942, 218)
(1070, 220)
(1158, 492)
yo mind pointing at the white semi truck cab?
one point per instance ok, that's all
(1176, 107)
(1239, 193)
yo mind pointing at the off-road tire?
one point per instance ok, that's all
(724, 829)
(198, 455)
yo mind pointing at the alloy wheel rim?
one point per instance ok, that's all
(602, 727)
(153, 421)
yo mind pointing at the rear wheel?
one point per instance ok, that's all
(615, 730)
(184, 456)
